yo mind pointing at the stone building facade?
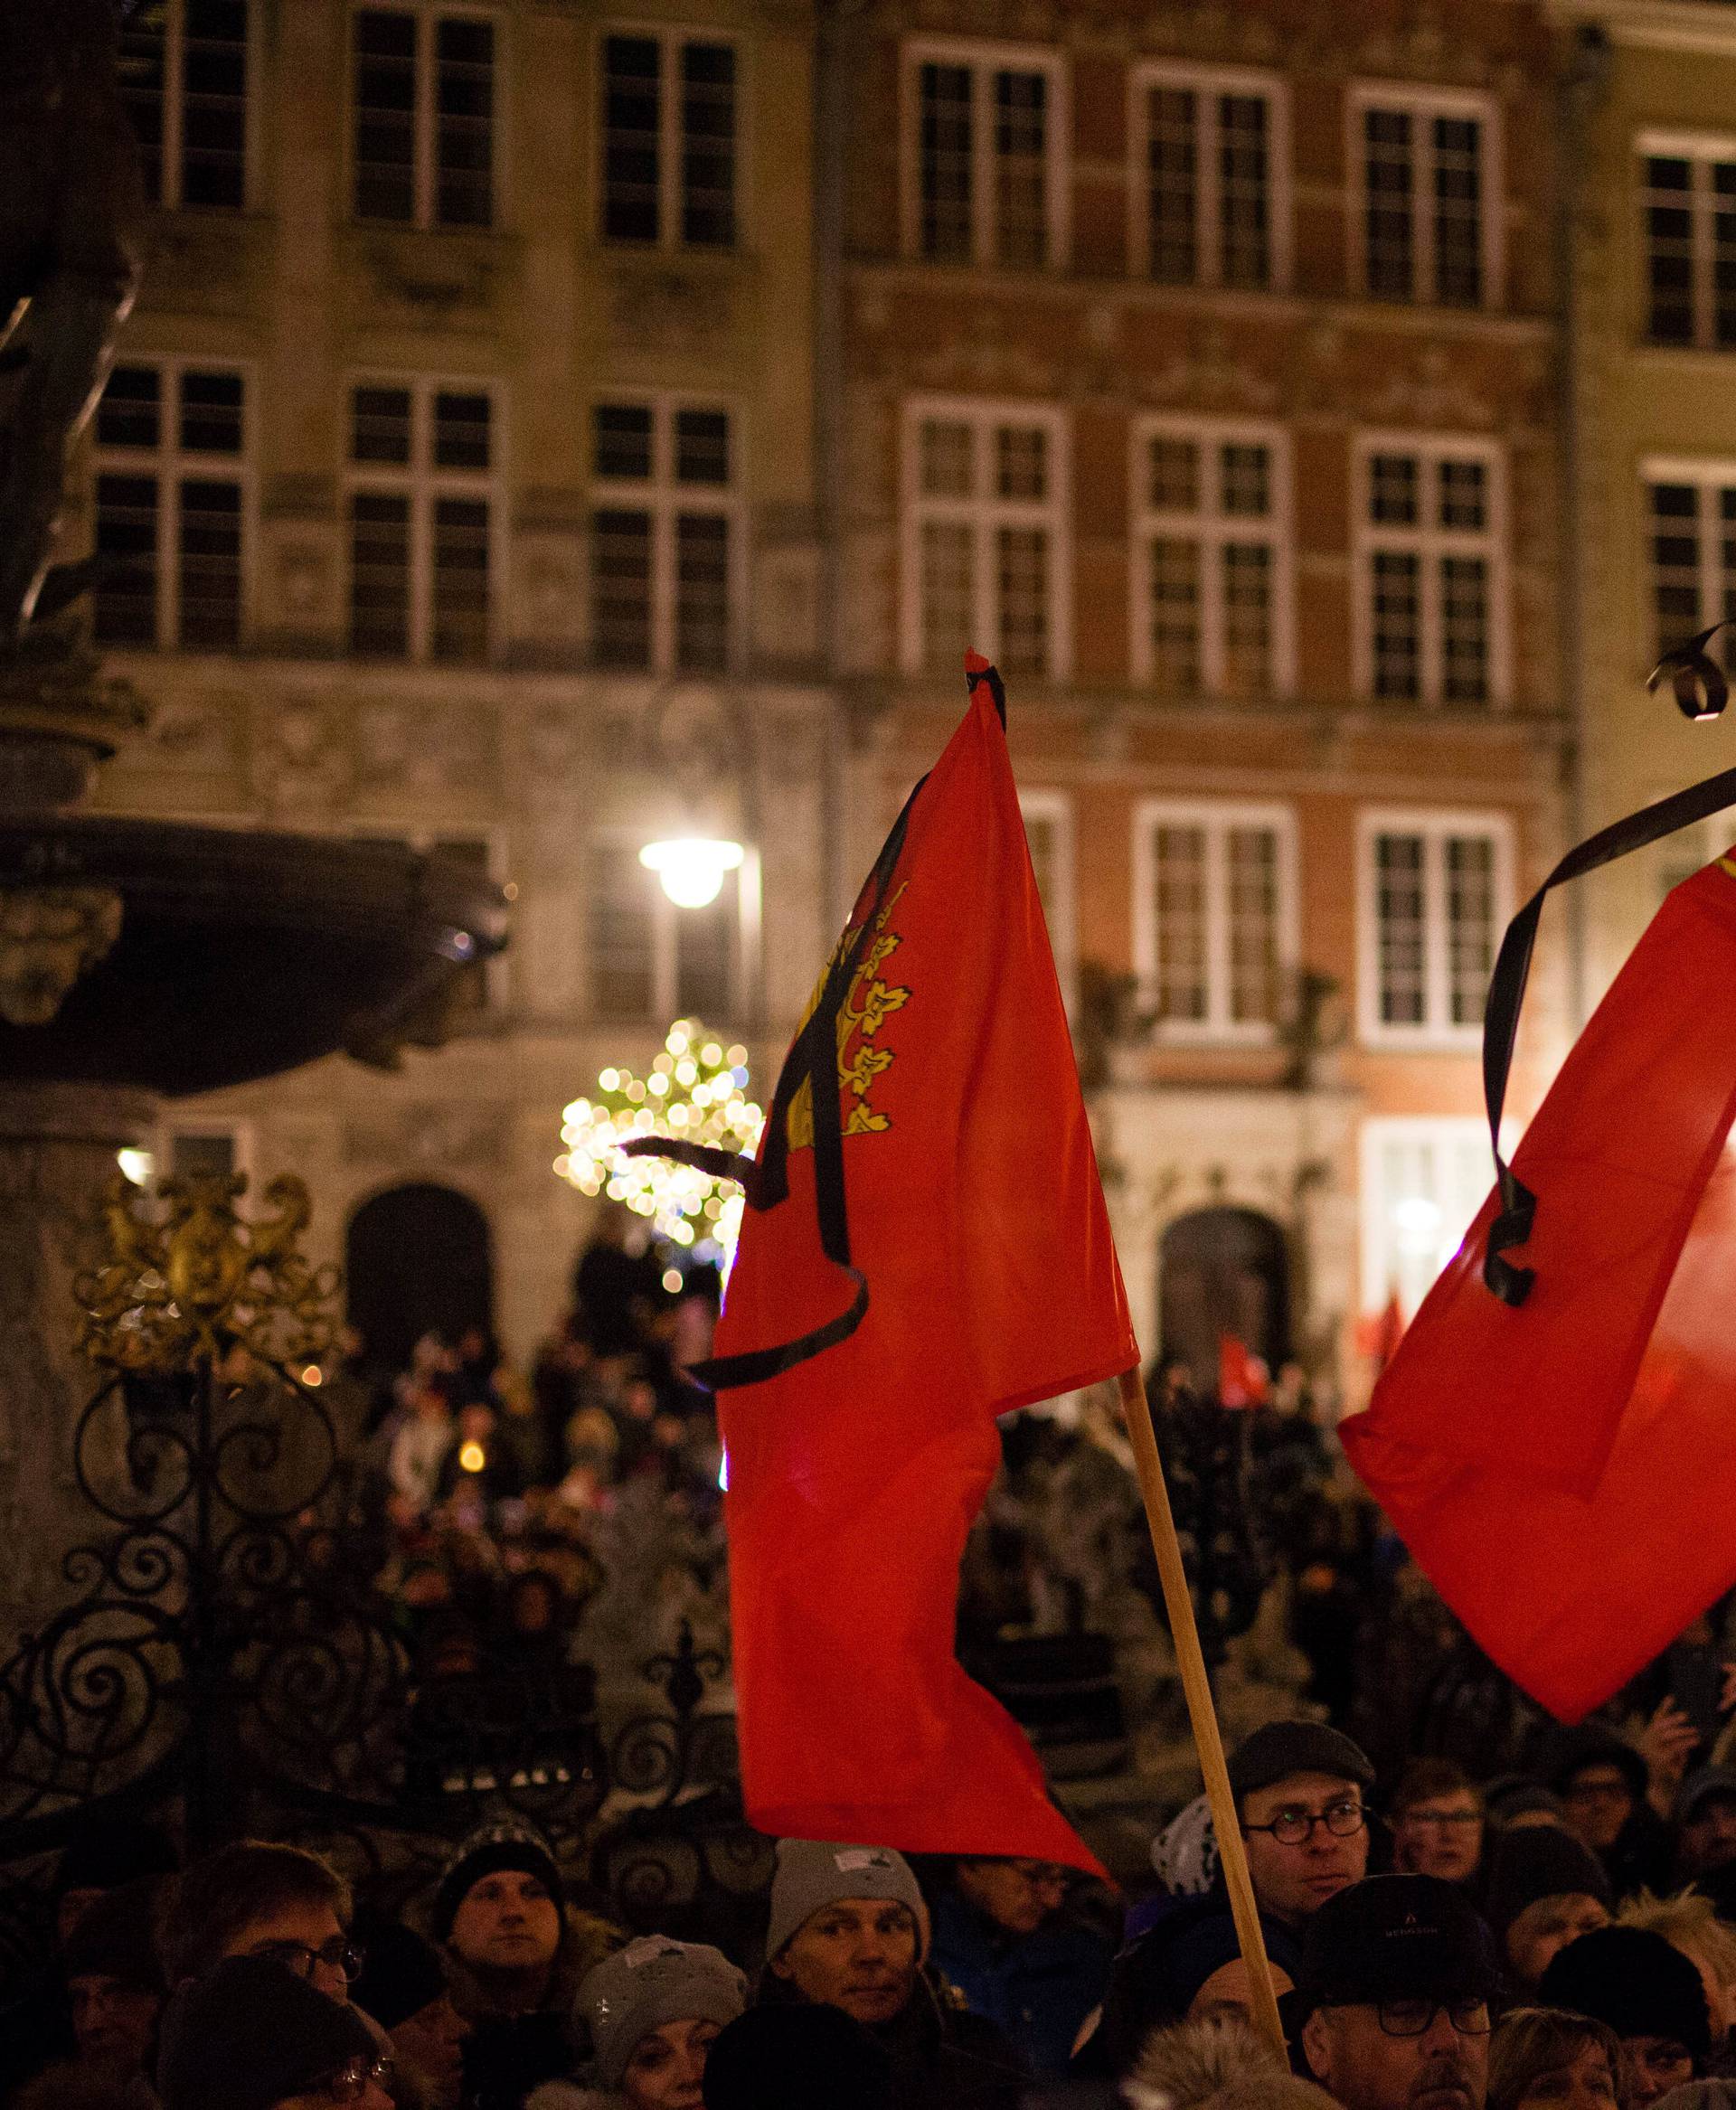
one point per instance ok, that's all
(1200, 364)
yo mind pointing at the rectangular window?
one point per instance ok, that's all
(1423, 1181)
(985, 557)
(1211, 177)
(1215, 918)
(984, 174)
(184, 78)
(650, 960)
(423, 82)
(422, 501)
(1435, 898)
(1688, 192)
(665, 537)
(1431, 558)
(1430, 195)
(1691, 511)
(668, 140)
(1211, 547)
(171, 507)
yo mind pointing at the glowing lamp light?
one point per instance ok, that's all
(472, 1458)
(692, 867)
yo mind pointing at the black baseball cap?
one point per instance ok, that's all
(1396, 1937)
(1283, 1747)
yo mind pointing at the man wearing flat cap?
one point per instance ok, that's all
(1393, 1997)
(1299, 1788)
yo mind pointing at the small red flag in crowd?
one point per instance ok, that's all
(1560, 1456)
(1243, 1379)
(925, 1247)
(1378, 1337)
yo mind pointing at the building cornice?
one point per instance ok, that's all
(1706, 27)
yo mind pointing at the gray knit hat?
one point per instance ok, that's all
(651, 1982)
(812, 1875)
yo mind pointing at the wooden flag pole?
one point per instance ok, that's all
(1196, 1687)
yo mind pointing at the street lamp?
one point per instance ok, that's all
(692, 867)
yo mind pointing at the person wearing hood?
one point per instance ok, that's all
(850, 1929)
(1605, 1786)
(1545, 1890)
(516, 1954)
(651, 2011)
(1648, 1994)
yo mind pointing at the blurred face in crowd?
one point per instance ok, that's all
(858, 1953)
(666, 2067)
(1584, 2083)
(1654, 2066)
(1598, 1801)
(1708, 1838)
(1018, 1896)
(1227, 1997)
(1441, 1835)
(1294, 1876)
(308, 1936)
(113, 2019)
(1549, 1925)
(1365, 2066)
(507, 1922)
(429, 2046)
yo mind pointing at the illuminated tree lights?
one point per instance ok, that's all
(696, 1092)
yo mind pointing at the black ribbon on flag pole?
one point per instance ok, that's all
(1691, 673)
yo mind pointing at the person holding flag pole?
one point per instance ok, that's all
(925, 1247)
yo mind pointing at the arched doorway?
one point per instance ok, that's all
(1223, 1271)
(416, 1257)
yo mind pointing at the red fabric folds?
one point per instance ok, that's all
(1564, 1471)
(977, 1217)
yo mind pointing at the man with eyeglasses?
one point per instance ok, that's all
(1299, 1788)
(256, 1898)
(1397, 1976)
(1003, 1940)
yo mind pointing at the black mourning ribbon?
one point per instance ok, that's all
(1635, 830)
(813, 1059)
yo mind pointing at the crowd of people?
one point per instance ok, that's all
(1558, 1941)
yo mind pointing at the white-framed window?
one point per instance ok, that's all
(1211, 189)
(1215, 930)
(1212, 555)
(1687, 183)
(174, 505)
(422, 93)
(1423, 1179)
(185, 69)
(1426, 171)
(1431, 545)
(423, 502)
(649, 961)
(985, 155)
(1435, 890)
(1691, 548)
(666, 555)
(1049, 831)
(987, 560)
(668, 128)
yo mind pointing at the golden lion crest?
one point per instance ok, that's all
(868, 1003)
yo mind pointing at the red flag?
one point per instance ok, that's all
(1561, 1463)
(1243, 1379)
(926, 1247)
(1378, 1337)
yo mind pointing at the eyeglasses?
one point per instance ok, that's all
(1295, 1827)
(350, 2083)
(338, 1955)
(1414, 2018)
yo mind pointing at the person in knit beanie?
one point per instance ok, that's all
(1648, 1994)
(254, 2035)
(849, 1929)
(651, 2011)
(516, 1954)
(1545, 1890)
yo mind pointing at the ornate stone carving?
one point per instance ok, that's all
(48, 936)
(302, 761)
(669, 309)
(431, 1133)
(425, 747)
